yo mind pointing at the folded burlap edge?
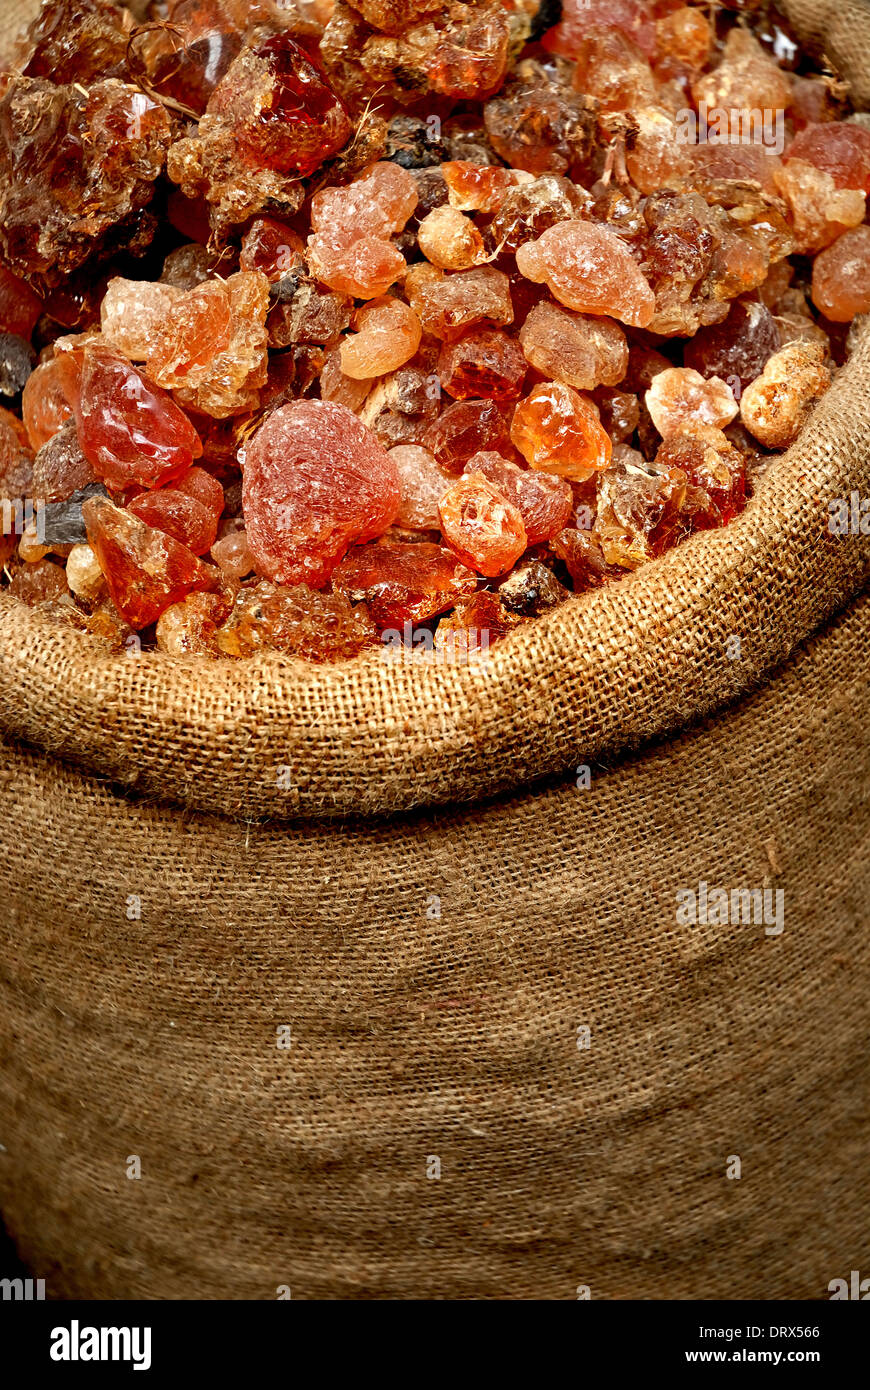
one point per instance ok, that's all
(272, 737)
(277, 737)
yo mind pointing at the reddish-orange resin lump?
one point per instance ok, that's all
(210, 348)
(77, 166)
(474, 626)
(544, 501)
(44, 406)
(841, 276)
(685, 34)
(484, 362)
(272, 247)
(298, 620)
(559, 431)
(350, 249)
(189, 510)
(315, 481)
(590, 269)
(471, 56)
(403, 582)
(388, 334)
(16, 457)
(19, 306)
(484, 529)
(711, 462)
(272, 110)
(378, 203)
(612, 69)
(463, 429)
(364, 267)
(145, 569)
(478, 187)
(129, 429)
(839, 149)
(424, 482)
(633, 18)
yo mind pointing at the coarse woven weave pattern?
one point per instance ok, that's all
(436, 970)
(417, 1037)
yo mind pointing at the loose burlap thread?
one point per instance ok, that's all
(436, 968)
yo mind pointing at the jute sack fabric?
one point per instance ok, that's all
(436, 939)
(418, 1037)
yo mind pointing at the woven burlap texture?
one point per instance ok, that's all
(417, 1037)
(434, 968)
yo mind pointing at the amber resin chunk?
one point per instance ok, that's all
(481, 525)
(146, 570)
(450, 240)
(478, 187)
(584, 559)
(77, 165)
(818, 210)
(38, 583)
(841, 277)
(449, 305)
(272, 118)
(210, 348)
(680, 394)
(578, 349)
(545, 502)
(403, 583)
(132, 311)
(537, 123)
(189, 627)
(559, 431)
(272, 247)
(532, 588)
(16, 471)
(350, 249)
(315, 481)
(19, 306)
(44, 406)
(837, 148)
(737, 348)
(483, 362)
(298, 621)
(634, 18)
(129, 429)
(423, 483)
(60, 467)
(711, 462)
(474, 626)
(387, 335)
(747, 78)
(232, 554)
(465, 428)
(774, 407)
(643, 509)
(588, 268)
(189, 510)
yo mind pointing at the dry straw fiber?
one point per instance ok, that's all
(435, 907)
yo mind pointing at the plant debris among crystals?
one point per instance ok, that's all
(325, 321)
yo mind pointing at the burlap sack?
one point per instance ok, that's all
(512, 1070)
